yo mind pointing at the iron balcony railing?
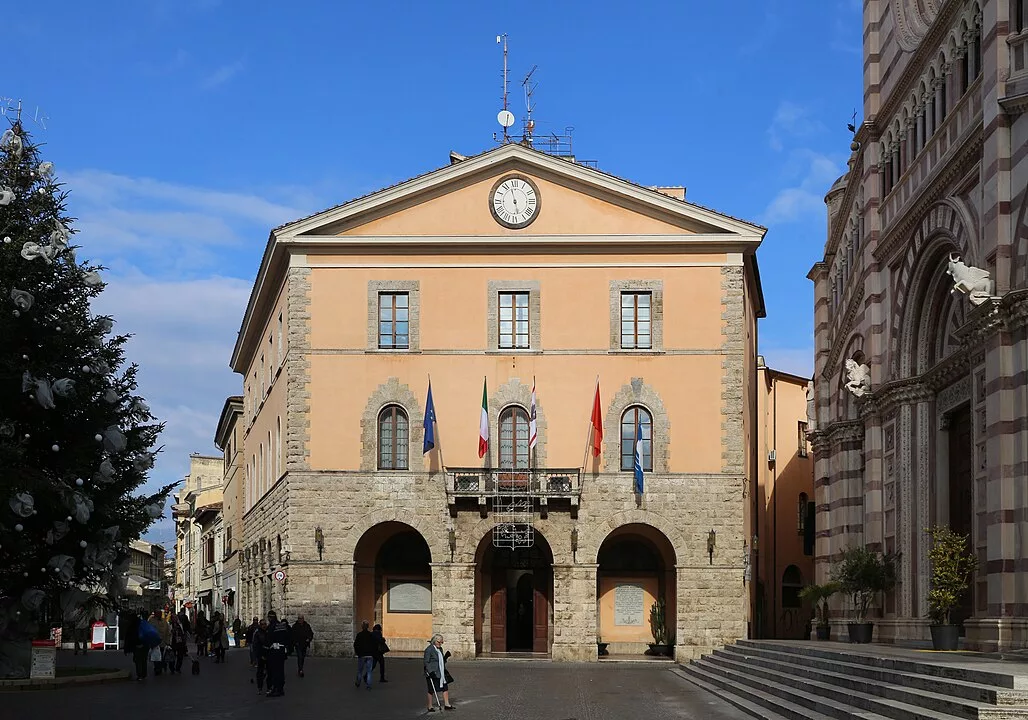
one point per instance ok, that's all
(541, 482)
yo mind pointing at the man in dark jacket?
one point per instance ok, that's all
(365, 648)
(258, 642)
(303, 636)
(249, 640)
(280, 644)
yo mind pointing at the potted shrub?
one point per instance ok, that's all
(953, 566)
(661, 644)
(862, 574)
(818, 596)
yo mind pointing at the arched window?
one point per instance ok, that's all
(393, 438)
(941, 93)
(636, 418)
(801, 514)
(514, 438)
(792, 583)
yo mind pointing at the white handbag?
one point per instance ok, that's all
(155, 654)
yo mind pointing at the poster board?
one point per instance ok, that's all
(97, 636)
(44, 659)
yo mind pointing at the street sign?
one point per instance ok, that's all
(280, 575)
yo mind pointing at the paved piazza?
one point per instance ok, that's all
(532, 690)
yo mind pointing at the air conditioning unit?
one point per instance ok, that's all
(771, 457)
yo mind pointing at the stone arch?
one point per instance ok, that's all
(637, 393)
(434, 533)
(392, 392)
(468, 543)
(945, 219)
(595, 533)
(513, 392)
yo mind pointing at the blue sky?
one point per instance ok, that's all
(186, 129)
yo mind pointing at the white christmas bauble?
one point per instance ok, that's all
(82, 543)
(78, 481)
(98, 437)
(24, 357)
(55, 447)
(69, 518)
(58, 328)
(16, 313)
(19, 527)
(24, 574)
(27, 436)
(7, 240)
(85, 368)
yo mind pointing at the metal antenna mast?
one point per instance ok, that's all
(504, 117)
(529, 90)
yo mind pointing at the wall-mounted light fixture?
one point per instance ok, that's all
(319, 540)
(452, 534)
(574, 542)
(711, 543)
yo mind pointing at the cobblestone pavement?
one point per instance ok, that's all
(494, 689)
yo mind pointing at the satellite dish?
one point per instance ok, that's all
(505, 118)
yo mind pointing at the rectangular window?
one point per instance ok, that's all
(393, 321)
(635, 321)
(801, 439)
(513, 320)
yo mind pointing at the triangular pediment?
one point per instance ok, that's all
(574, 200)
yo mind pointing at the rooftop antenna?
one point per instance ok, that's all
(529, 90)
(505, 117)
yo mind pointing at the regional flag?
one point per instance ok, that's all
(533, 436)
(483, 423)
(429, 422)
(638, 458)
(597, 421)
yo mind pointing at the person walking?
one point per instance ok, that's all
(178, 645)
(303, 636)
(259, 647)
(237, 627)
(134, 646)
(435, 674)
(219, 637)
(83, 623)
(364, 648)
(164, 632)
(381, 648)
(249, 640)
(200, 634)
(279, 646)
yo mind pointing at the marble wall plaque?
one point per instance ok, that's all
(628, 604)
(406, 596)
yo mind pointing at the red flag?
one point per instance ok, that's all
(597, 422)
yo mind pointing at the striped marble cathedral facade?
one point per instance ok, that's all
(921, 374)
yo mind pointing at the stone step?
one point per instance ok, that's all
(947, 670)
(986, 694)
(751, 701)
(822, 697)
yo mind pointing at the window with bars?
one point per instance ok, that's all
(513, 320)
(393, 439)
(514, 439)
(635, 321)
(636, 417)
(393, 321)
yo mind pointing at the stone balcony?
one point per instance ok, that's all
(549, 488)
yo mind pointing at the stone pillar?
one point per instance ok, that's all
(575, 620)
(712, 609)
(323, 592)
(453, 606)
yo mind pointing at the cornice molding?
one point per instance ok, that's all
(837, 433)
(897, 392)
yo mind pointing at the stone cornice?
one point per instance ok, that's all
(836, 433)
(896, 236)
(838, 338)
(897, 392)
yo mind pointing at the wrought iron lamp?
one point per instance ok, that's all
(711, 543)
(319, 539)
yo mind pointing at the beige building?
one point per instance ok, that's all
(145, 587)
(197, 515)
(784, 506)
(512, 268)
(229, 440)
(920, 306)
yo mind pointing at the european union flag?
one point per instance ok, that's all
(429, 421)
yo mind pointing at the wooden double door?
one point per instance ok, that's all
(519, 611)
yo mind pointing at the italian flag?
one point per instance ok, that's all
(483, 424)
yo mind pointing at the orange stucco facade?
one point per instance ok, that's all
(342, 499)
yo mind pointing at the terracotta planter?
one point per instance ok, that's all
(824, 632)
(861, 632)
(945, 637)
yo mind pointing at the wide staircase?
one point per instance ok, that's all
(782, 679)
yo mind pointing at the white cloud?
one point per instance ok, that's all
(791, 120)
(813, 174)
(222, 75)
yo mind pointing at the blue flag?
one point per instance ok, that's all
(429, 421)
(638, 458)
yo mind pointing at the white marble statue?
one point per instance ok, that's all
(973, 282)
(858, 378)
(811, 410)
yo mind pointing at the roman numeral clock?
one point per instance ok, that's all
(514, 201)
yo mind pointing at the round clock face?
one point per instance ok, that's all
(514, 201)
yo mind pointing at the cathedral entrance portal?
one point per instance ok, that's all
(961, 496)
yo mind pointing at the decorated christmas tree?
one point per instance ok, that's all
(76, 442)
